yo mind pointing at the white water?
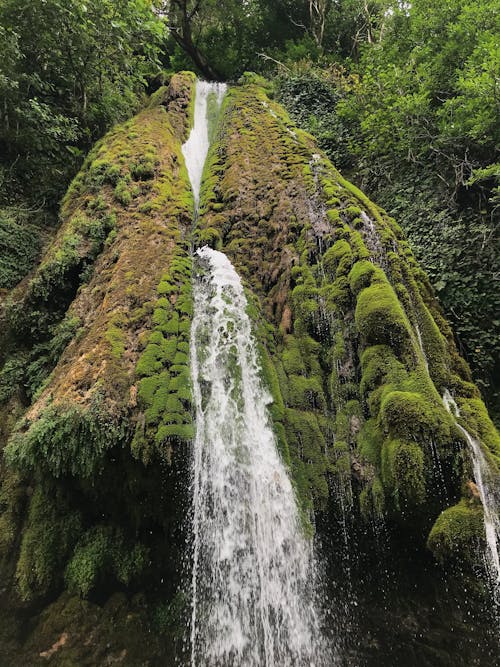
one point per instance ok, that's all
(253, 581)
(422, 348)
(490, 498)
(196, 147)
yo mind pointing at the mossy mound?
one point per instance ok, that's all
(95, 391)
(81, 335)
(361, 351)
(458, 533)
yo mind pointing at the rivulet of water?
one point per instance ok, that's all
(254, 577)
(195, 149)
(490, 497)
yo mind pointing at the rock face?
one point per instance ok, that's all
(95, 384)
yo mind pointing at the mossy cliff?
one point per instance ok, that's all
(359, 349)
(95, 368)
(95, 413)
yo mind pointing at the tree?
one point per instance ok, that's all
(183, 17)
(71, 68)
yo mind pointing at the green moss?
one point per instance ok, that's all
(479, 424)
(116, 339)
(307, 446)
(165, 387)
(169, 432)
(403, 472)
(362, 275)
(458, 533)
(372, 501)
(142, 170)
(100, 553)
(65, 441)
(122, 193)
(379, 367)
(50, 533)
(292, 358)
(338, 259)
(306, 393)
(407, 414)
(370, 440)
(380, 318)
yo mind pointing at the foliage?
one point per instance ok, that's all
(19, 246)
(69, 70)
(102, 552)
(65, 442)
(49, 534)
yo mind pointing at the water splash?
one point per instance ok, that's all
(490, 497)
(195, 149)
(253, 581)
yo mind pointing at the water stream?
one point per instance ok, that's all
(254, 600)
(253, 577)
(490, 498)
(195, 149)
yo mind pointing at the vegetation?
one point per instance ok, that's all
(96, 304)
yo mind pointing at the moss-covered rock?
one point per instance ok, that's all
(353, 348)
(339, 273)
(458, 533)
(87, 312)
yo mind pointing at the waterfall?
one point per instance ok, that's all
(253, 577)
(196, 147)
(490, 498)
(253, 581)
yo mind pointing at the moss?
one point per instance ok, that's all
(122, 193)
(164, 388)
(458, 533)
(142, 170)
(434, 347)
(370, 441)
(379, 367)
(480, 425)
(270, 379)
(403, 472)
(406, 414)
(307, 444)
(338, 259)
(380, 318)
(292, 358)
(253, 79)
(65, 441)
(362, 274)
(116, 339)
(372, 501)
(103, 552)
(50, 533)
(306, 393)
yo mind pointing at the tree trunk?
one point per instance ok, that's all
(196, 56)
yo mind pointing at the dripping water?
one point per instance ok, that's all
(487, 486)
(421, 346)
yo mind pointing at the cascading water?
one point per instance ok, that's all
(490, 498)
(196, 147)
(253, 577)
